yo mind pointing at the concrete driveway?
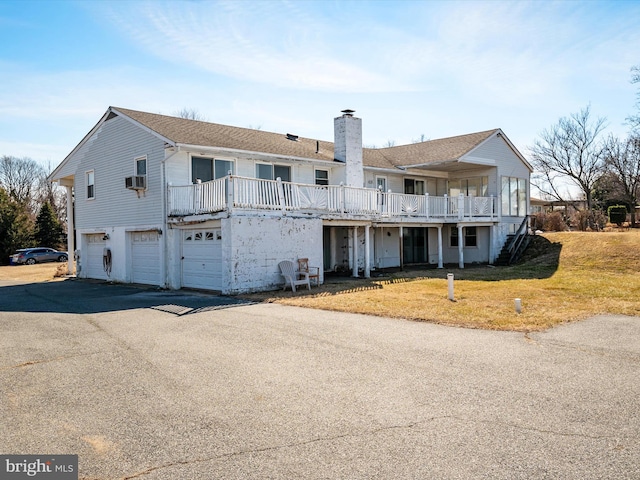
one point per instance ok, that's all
(146, 384)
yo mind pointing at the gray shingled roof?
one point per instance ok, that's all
(192, 132)
(205, 134)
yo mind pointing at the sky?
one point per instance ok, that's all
(410, 69)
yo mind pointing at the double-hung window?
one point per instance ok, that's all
(141, 166)
(470, 236)
(322, 177)
(91, 192)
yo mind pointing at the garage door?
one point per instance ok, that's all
(91, 259)
(202, 259)
(145, 258)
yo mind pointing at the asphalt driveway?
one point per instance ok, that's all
(157, 385)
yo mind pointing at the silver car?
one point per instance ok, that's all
(31, 256)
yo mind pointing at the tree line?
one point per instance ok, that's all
(604, 168)
(32, 209)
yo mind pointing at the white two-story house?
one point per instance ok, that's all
(178, 203)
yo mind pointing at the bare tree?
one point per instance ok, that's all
(623, 163)
(634, 120)
(20, 177)
(190, 114)
(569, 151)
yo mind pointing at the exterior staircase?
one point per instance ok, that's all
(515, 245)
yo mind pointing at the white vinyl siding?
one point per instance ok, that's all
(109, 153)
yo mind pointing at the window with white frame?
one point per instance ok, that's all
(206, 169)
(470, 236)
(322, 177)
(413, 186)
(91, 191)
(469, 187)
(268, 171)
(140, 165)
(514, 196)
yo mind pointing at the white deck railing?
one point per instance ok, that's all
(253, 193)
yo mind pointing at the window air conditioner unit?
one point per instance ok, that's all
(137, 182)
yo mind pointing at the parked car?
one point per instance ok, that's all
(30, 256)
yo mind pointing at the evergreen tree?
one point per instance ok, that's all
(49, 230)
(16, 227)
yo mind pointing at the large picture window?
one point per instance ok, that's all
(514, 196)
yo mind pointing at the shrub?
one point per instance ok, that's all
(617, 214)
(554, 222)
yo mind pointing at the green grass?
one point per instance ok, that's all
(563, 277)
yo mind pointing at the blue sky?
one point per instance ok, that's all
(408, 68)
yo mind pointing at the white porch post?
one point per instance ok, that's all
(367, 268)
(71, 244)
(401, 233)
(332, 247)
(460, 247)
(354, 267)
(440, 262)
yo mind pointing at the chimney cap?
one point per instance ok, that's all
(348, 112)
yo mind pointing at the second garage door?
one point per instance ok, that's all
(145, 258)
(92, 259)
(202, 259)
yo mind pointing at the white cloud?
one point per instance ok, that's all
(264, 42)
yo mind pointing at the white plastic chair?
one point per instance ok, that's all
(292, 276)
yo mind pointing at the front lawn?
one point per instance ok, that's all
(564, 277)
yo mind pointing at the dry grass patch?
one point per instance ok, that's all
(565, 277)
(40, 272)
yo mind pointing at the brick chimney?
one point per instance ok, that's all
(347, 147)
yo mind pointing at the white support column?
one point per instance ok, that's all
(440, 261)
(460, 247)
(332, 247)
(71, 243)
(354, 267)
(367, 267)
(401, 233)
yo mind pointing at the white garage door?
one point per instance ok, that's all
(202, 259)
(91, 259)
(145, 258)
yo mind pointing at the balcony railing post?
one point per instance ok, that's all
(281, 199)
(460, 207)
(426, 205)
(343, 203)
(230, 189)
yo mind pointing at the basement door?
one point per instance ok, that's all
(145, 258)
(91, 258)
(202, 259)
